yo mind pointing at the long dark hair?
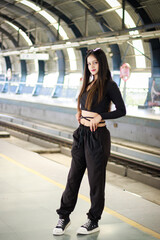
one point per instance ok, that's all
(104, 75)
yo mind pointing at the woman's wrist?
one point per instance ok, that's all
(99, 117)
(79, 111)
(78, 116)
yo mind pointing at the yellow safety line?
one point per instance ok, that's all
(108, 210)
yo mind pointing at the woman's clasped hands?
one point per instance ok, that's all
(94, 122)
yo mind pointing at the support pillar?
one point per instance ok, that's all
(38, 87)
(19, 89)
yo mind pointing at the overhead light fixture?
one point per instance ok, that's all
(83, 42)
(90, 42)
(72, 44)
(30, 5)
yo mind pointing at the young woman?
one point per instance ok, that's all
(91, 141)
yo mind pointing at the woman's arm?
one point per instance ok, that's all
(116, 97)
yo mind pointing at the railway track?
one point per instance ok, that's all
(127, 161)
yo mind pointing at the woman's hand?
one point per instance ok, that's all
(78, 116)
(94, 122)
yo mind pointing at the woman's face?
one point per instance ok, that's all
(93, 66)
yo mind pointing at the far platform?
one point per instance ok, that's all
(139, 125)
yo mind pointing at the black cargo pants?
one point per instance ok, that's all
(90, 150)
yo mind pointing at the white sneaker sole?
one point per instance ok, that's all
(59, 231)
(84, 231)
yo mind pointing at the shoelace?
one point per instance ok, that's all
(87, 224)
(60, 222)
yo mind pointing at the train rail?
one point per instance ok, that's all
(125, 160)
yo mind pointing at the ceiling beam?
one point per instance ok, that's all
(10, 37)
(31, 17)
(83, 42)
(17, 24)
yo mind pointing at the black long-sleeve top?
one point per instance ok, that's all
(111, 93)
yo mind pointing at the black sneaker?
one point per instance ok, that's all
(88, 228)
(61, 226)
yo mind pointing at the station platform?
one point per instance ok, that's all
(31, 188)
(139, 125)
(150, 113)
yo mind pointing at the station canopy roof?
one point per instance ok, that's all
(43, 25)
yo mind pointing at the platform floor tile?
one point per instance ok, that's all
(31, 187)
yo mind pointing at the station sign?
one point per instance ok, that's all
(34, 56)
(125, 71)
